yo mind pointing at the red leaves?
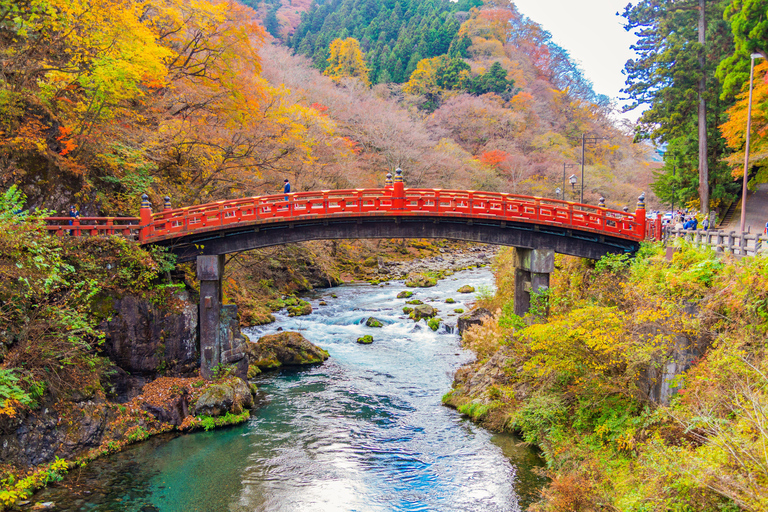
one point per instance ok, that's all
(493, 158)
(68, 145)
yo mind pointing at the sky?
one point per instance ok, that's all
(592, 34)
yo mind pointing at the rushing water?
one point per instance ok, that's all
(365, 431)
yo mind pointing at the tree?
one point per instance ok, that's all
(347, 60)
(749, 25)
(674, 75)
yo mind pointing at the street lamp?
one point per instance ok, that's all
(746, 150)
(584, 141)
(572, 180)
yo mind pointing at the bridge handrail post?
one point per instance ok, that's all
(145, 216)
(640, 217)
(398, 199)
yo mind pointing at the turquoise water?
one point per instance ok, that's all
(365, 431)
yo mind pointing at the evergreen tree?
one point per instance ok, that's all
(668, 75)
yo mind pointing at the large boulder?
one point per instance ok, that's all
(231, 395)
(474, 317)
(423, 311)
(146, 340)
(466, 289)
(284, 348)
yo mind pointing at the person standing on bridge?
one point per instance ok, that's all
(286, 188)
(74, 214)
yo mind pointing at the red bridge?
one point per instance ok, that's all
(536, 226)
(392, 212)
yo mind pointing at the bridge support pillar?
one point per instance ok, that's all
(532, 270)
(220, 340)
(210, 270)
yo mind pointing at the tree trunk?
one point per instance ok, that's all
(703, 165)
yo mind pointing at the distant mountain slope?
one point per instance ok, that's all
(394, 34)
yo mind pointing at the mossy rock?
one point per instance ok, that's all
(253, 371)
(372, 261)
(420, 281)
(405, 294)
(260, 319)
(365, 340)
(458, 310)
(291, 301)
(268, 363)
(284, 348)
(423, 311)
(434, 323)
(322, 303)
(301, 309)
(374, 282)
(334, 296)
(415, 302)
(466, 289)
(373, 322)
(407, 310)
(450, 301)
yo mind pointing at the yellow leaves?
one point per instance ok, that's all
(346, 60)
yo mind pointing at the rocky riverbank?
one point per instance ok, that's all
(448, 260)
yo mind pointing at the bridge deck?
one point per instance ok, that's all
(225, 217)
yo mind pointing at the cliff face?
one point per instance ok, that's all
(145, 341)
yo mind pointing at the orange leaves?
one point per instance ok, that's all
(319, 107)
(734, 129)
(67, 143)
(494, 158)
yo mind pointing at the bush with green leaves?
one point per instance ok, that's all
(54, 290)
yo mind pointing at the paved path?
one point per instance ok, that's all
(756, 215)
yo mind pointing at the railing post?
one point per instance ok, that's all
(388, 185)
(145, 216)
(640, 216)
(398, 191)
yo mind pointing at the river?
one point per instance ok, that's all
(366, 431)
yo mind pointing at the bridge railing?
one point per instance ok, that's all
(298, 205)
(524, 208)
(391, 201)
(93, 226)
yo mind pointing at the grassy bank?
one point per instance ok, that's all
(584, 386)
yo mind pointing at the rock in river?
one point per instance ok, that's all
(231, 395)
(474, 317)
(284, 348)
(423, 311)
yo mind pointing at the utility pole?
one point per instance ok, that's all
(566, 166)
(584, 141)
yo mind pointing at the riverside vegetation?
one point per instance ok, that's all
(581, 385)
(56, 379)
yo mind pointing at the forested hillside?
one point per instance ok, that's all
(194, 104)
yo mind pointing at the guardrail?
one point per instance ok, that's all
(738, 244)
(94, 226)
(394, 200)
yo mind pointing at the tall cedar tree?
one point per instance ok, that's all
(675, 75)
